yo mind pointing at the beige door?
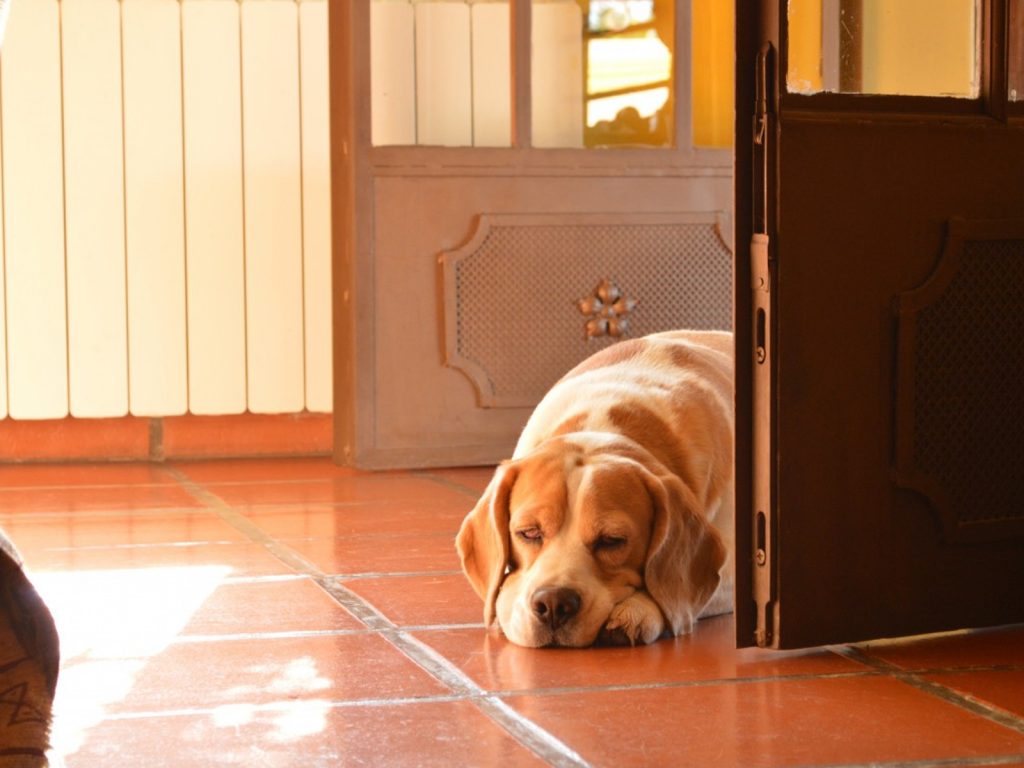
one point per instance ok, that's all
(883, 329)
(516, 184)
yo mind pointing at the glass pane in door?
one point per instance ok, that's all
(602, 73)
(440, 73)
(1016, 79)
(889, 47)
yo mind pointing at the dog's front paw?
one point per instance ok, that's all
(637, 619)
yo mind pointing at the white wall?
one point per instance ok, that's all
(166, 228)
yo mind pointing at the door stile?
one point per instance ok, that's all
(762, 246)
(756, 133)
(351, 214)
(994, 73)
(522, 91)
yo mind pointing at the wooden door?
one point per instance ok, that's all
(480, 196)
(880, 156)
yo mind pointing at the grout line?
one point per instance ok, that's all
(8, 516)
(363, 575)
(525, 731)
(147, 545)
(156, 439)
(285, 706)
(256, 508)
(376, 478)
(674, 684)
(277, 577)
(81, 487)
(302, 633)
(947, 694)
(451, 485)
(970, 669)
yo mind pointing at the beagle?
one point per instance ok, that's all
(613, 520)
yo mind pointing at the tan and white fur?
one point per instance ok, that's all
(613, 520)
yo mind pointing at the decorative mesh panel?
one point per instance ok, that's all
(968, 396)
(516, 294)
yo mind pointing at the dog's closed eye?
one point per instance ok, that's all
(533, 534)
(607, 542)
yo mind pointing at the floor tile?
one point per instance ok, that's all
(1003, 688)
(422, 600)
(94, 498)
(261, 470)
(988, 647)
(382, 553)
(707, 654)
(384, 517)
(310, 734)
(235, 558)
(767, 723)
(92, 529)
(129, 616)
(357, 489)
(50, 475)
(256, 670)
(290, 605)
(471, 478)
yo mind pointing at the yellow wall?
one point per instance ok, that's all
(713, 72)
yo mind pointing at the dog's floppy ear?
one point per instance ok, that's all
(482, 541)
(685, 553)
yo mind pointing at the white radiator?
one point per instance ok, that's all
(166, 211)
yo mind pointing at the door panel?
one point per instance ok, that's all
(445, 419)
(862, 193)
(451, 139)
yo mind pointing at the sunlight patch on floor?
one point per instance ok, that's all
(111, 623)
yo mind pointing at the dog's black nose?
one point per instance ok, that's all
(556, 605)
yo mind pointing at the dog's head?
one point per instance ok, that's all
(565, 533)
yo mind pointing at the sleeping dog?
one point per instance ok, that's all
(613, 520)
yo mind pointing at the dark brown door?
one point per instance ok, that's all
(880, 322)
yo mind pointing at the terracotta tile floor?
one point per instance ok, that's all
(292, 613)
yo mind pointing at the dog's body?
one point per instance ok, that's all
(614, 517)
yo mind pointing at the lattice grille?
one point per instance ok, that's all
(968, 398)
(515, 302)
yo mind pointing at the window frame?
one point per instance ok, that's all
(522, 155)
(991, 103)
